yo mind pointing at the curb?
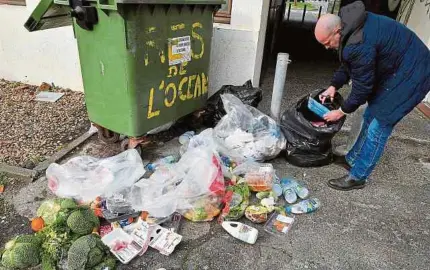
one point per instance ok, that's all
(21, 173)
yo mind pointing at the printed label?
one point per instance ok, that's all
(284, 219)
(164, 240)
(179, 50)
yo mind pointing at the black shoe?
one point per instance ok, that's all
(341, 161)
(346, 183)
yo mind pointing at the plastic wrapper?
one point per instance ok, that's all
(193, 187)
(247, 134)
(279, 224)
(258, 176)
(309, 145)
(257, 213)
(236, 200)
(214, 110)
(173, 223)
(85, 178)
(203, 208)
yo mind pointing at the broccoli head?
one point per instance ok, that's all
(109, 263)
(86, 253)
(22, 252)
(68, 204)
(50, 210)
(82, 221)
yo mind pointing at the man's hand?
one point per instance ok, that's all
(333, 116)
(329, 93)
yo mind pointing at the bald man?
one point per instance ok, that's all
(389, 67)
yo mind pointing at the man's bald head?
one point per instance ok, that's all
(327, 28)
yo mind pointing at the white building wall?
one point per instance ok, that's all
(52, 56)
(237, 48)
(419, 22)
(45, 56)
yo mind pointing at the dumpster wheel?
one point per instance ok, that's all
(107, 135)
(125, 145)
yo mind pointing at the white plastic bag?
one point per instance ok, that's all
(206, 139)
(245, 133)
(194, 187)
(84, 178)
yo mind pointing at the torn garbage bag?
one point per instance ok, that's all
(308, 137)
(214, 110)
(245, 133)
(85, 178)
(193, 187)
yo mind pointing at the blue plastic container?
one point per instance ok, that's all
(317, 107)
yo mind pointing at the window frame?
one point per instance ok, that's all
(222, 16)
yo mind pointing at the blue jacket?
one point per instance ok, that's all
(388, 64)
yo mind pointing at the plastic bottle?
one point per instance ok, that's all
(186, 137)
(277, 189)
(298, 188)
(162, 161)
(306, 206)
(241, 231)
(288, 190)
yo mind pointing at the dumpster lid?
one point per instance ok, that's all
(48, 14)
(172, 2)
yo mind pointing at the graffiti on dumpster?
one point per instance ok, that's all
(189, 87)
(179, 43)
(180, 52)
(173, 70)
(198, 37)
(178, 27)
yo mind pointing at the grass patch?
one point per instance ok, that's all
(301, 6)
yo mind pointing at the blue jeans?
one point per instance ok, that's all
(369, 146)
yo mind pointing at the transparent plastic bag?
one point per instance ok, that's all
(206, 139)
(194, 187)
(245, 133)
(258, 176)
(84, 178)
(236, 200)
(214, 109)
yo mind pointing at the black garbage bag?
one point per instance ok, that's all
(309, 145)
(214, 109)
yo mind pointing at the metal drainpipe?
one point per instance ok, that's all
(279, 84)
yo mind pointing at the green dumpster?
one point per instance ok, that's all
(144, 63)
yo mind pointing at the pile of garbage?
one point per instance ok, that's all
(64, 238)
(115, 209)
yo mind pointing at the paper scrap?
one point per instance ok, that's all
(48, 96)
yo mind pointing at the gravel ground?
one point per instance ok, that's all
(31, 130)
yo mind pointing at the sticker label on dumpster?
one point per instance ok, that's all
(179, 50)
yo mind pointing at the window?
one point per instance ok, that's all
(13, 2)
(224, 13)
